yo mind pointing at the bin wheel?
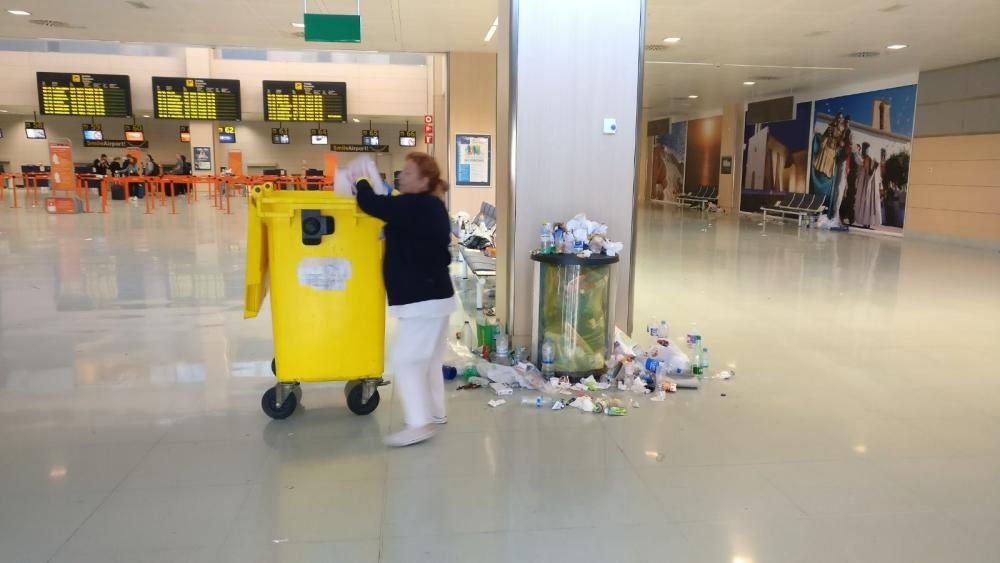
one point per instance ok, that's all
(267, 402)
(353, 391)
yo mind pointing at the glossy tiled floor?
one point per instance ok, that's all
(863, 425)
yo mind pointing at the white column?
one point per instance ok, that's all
(564, 66)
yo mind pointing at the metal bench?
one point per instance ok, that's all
(701, 197)
(800, 206)
(482, 266)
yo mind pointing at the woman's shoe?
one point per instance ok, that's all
(409, 436)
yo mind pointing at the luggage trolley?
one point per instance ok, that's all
(322, 258)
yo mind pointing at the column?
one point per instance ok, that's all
(198, 62)
(732, 146)
(472, 110)
(564, 67)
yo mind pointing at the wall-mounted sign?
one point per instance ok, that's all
(116, 144)
(66, 93)
(359, 148)
(305, 101)
(279, 136)
(203, 158)
(370, 137)
(134, 133)
(34, 129)
(727, 165)
(408, 138)
(185, 134)
(472, 160)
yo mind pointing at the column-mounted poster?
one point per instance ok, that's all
(203, 158)
(473, 167)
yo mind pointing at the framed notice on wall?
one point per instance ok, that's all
(203, 158)
(473, 166)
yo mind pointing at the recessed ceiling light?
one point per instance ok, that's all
(145, 115)
(693, 97)
(897, 47)
(18, 13)
(3, 111)
(356, 120)
(749, 83)
(672, 40)
(298, 25)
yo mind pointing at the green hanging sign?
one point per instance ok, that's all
(333, 28)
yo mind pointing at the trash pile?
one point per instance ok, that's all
(579, 236)
(658, 369)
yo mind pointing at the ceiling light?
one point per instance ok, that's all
(749, 83)
(672, 40)
(897, 47)
(298, 25)
(492, 30)
(356, 120)
(3, 111)
(18, 13)
(693, 97)
(145, 115)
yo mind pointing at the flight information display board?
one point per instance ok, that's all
(196, 98)
(305, 101)
(100, 95)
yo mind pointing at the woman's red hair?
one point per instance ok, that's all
(429, 169)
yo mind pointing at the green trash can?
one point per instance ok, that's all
(575, 308)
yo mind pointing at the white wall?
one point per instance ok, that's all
(372, 89)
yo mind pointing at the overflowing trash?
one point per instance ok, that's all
(656, 369)
(579, 236)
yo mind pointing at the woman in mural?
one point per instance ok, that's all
(845, 177)
(658, 181)
(826, 160)
(868, 201)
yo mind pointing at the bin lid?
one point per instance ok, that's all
(573, 259)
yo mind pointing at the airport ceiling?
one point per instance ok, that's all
(789, 46)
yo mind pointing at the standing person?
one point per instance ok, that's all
(150, 168)
(102, 165)
(115, 166)
(418, 285)
(868, 201)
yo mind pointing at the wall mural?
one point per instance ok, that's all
(775, 159)
(861, 156)
(667, 163)
(704, 152)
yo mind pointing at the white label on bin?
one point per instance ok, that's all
(324, 274)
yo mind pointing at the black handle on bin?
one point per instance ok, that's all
(315, 226)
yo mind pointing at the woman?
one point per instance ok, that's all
(868, 200)
(827, 158)
(150, 168)
(418, 285)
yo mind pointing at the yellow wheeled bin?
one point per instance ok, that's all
(322, 258)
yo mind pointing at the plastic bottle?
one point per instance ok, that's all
(569, 243)
(548, 358)
(539, 401)
(693, 336)
(657, 329)
(704, 360)
(696, 361)
(548, 240)
(469, 337)
(557, 237)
